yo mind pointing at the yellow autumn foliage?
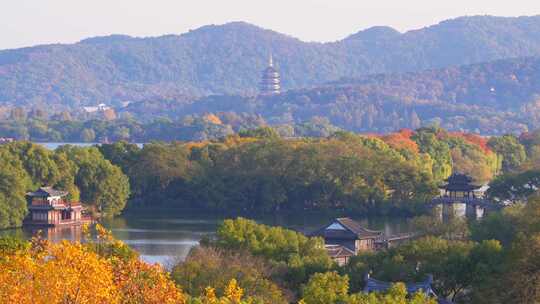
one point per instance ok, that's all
(139, 282)
(61, 273)
(233, 295)
(101, 271)
(71, 272)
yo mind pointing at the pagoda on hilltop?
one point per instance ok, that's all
(270, 82)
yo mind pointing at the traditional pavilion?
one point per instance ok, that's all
(271, 81)
(373, 285)
(49, 207)
(460, 197)
(460, 186)
(344, 237)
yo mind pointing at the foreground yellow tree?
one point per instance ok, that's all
(102, 272)
(139, 282)
(57, 273)
(233, 295)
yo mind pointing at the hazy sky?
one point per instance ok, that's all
(30, 22)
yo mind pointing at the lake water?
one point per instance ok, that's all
(54, 145)
(167, 236)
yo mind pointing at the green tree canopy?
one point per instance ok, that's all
(208, 266)
(302, 256)
(102, 184)
(326, 288)
(510, 149)
(14, 181)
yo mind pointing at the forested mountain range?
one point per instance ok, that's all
(489, 98)
(227, 59)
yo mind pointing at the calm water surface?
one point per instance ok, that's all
(167, 236)
(55, 145)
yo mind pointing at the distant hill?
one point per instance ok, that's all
(227, 59)
(490, 98)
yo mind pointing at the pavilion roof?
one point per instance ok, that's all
(459, 182)
(337, 251)
(346, 228)
(46, 192)
(373, 285)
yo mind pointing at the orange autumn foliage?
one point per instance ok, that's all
(60, 273)
(481, 142)
(139, 282)
(109, 114)
(212, 118)
(408, 133)
(76, 273)
(401, 140)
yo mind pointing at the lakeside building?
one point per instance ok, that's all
(271, 80)
(460, 186)
(344, 238)
(49, 207)
(460, 197)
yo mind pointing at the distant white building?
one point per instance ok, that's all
(125, 104)
(99, 108)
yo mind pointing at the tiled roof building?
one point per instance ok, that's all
(349, 234)
(49, 207)
(373, 285)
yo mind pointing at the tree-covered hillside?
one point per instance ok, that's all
(228, 59)
(489, 98)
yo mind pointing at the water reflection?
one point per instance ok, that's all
(73, 233)
(166, 237)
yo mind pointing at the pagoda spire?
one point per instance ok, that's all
(271, 60)
(270, 81)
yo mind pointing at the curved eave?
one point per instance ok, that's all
(460, 188)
